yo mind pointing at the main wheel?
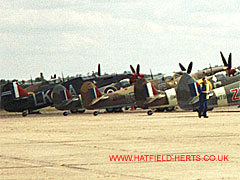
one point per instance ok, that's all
(95, 113)
(82, 111)
(65, 113)
(24, 114)
(169, 109)
(118, 109)
(150, 112)
(73, 111)
(159, 109)
(109, 110)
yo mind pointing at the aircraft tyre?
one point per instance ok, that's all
(150, 112)
(82, 111)
(24, 114)
(65, 113)
(118, 110)
(95, 113)
(169, 109)
(159, 109)
(73, 111)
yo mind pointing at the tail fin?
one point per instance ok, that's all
(60, 96)
(187, 92)
(143, 90)
(89, 93)
(12, 91)
(63, 99)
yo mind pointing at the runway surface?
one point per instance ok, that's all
(51, 146)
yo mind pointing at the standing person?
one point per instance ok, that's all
(204, 91)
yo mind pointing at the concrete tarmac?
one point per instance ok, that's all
(78, 146)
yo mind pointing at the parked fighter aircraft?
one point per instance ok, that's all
(187, 94)
(168, 82)
(92, 98)
(147, 97)
(16, 99)
(229, 71)
(73, 85)
(171, 81)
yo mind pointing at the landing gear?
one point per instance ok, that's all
(73, 111)
(167, 109)
(34, 112)
(150, 112)
(65, 113)
(170, 109)
(95, 113)
(24, 114)
(77, 111)
(111, 110)
(82, 111)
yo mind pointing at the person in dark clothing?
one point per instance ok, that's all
(204, 91)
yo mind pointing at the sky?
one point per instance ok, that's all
(72, 36)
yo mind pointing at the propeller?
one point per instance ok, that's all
(138, 70)
(210, 66)
(132, 69)
(189, 69)
(63, 78)
(230, 71)
(136, 73)
(31, 80)
(54, 76)
(229, 63)
(151, 74)
(99, 70)
(182, 67)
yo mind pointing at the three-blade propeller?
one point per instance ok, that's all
(229, 63)
(136, 73)
(189, 69)
(99, 70)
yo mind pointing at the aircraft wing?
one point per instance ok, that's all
(153, 99)
(71, 101)
(102, 98)
(194, 100)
